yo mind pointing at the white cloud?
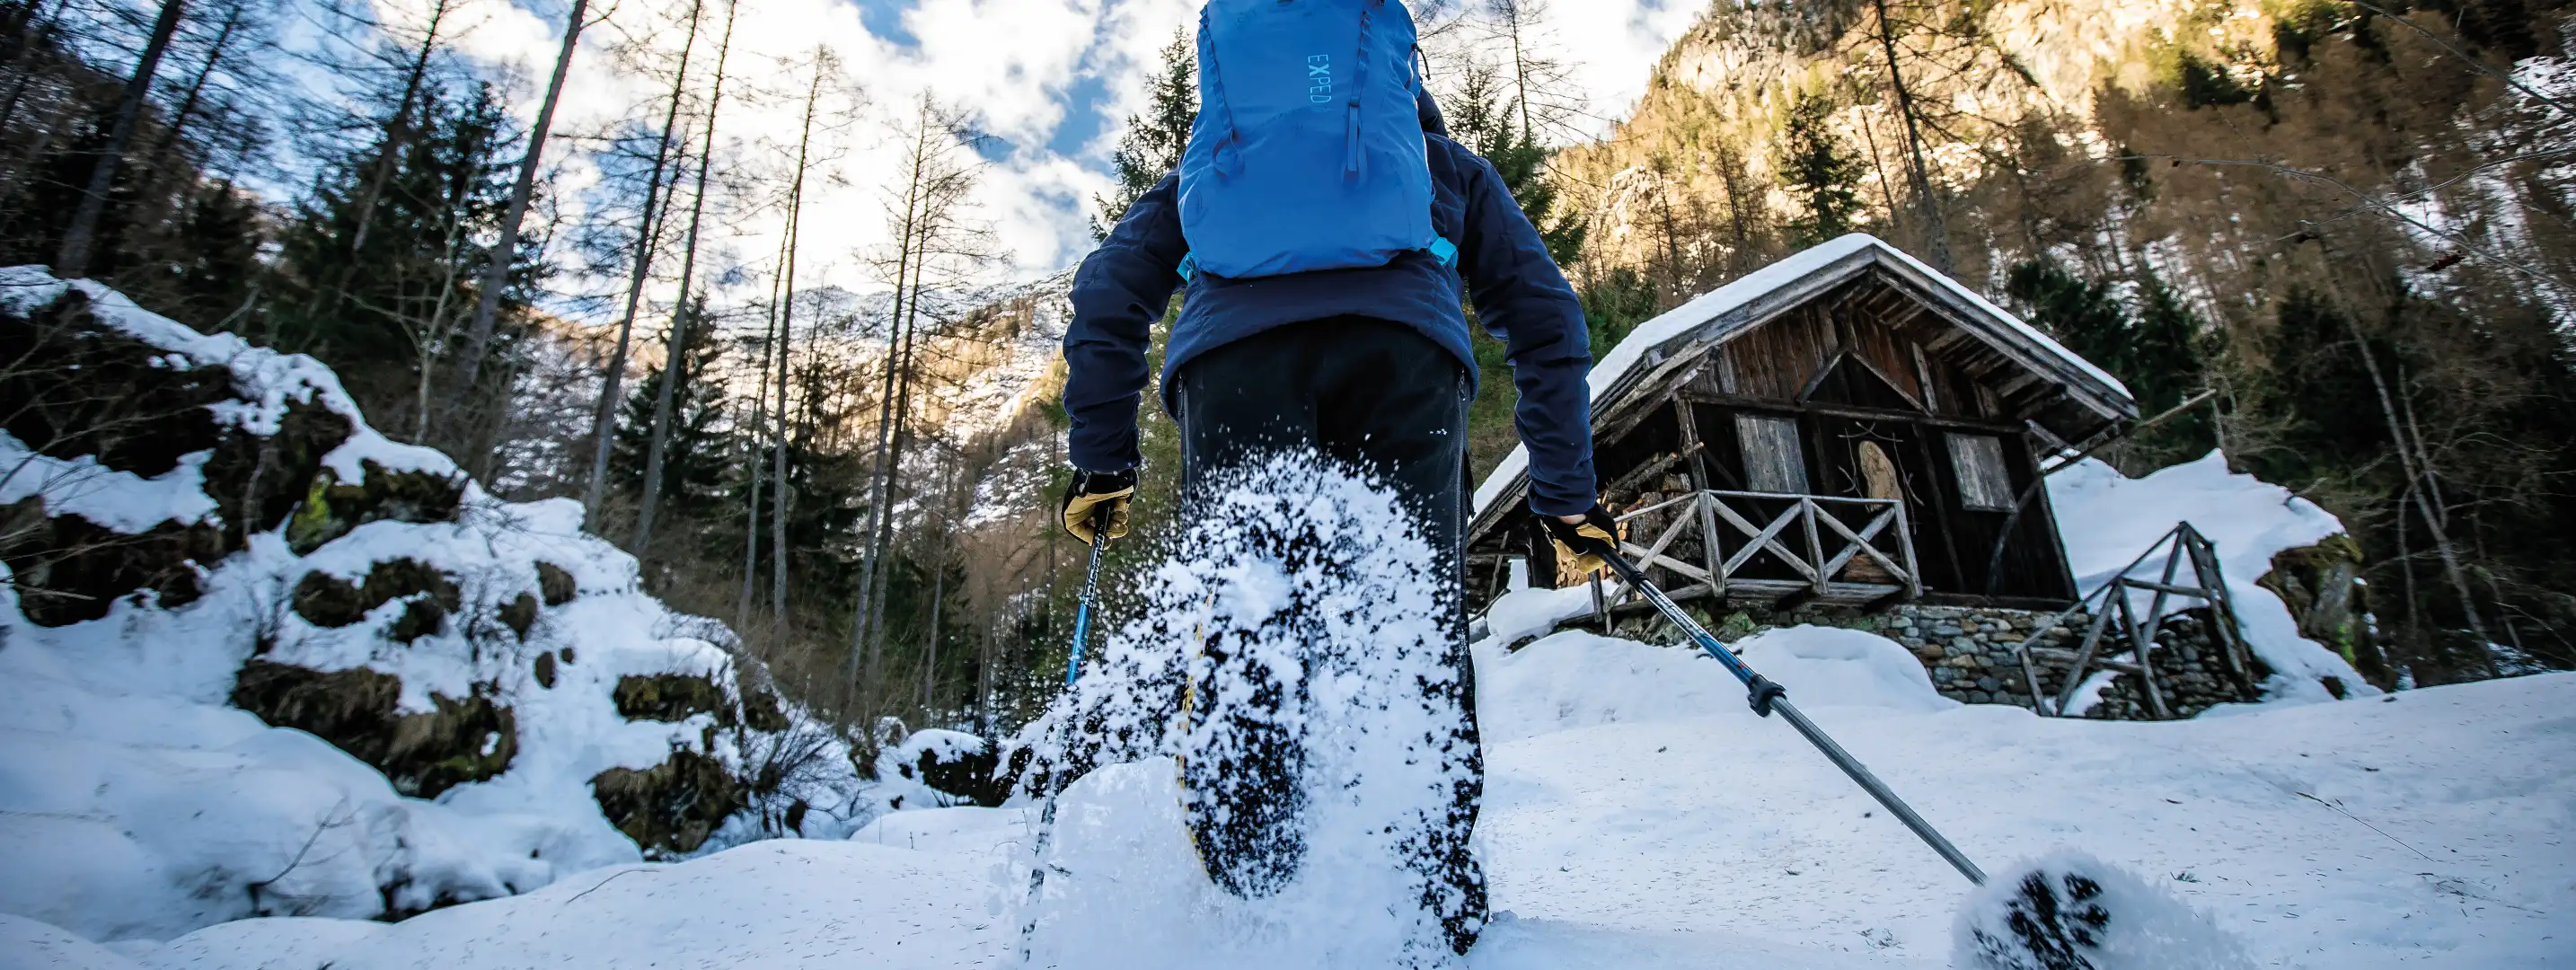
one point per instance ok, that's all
(1015, 65)
(1612, 46)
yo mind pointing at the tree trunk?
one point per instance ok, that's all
(786, 347)
(909, 248)
(930, 663)
(894, 464)
(496, 274)
(397, 130)
(17, 43)
(2410, 462)
(662, 395)
(760, 426)
(197, 86)
(603, 420)
(78, 240)
(1937, 235)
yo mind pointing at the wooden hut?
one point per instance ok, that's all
(1845, 426)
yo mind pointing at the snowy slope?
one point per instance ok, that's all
(2427, 829)
(136, 802)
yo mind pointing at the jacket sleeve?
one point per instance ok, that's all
(1522, 297)
(1119, 293)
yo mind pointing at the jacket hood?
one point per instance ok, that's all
(1432, 122)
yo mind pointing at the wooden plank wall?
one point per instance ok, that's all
(1765, 370)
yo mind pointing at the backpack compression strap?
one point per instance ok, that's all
(1440, 249)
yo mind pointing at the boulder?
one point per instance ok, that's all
(555, 583)
(520, 614)
(671, 807)
(672, 697)
(77, 388)
(2321, 585)
(331, 507)
(358, 711)
(956, 764)
(69, 570)
(328, 601)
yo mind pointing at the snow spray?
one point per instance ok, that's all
(2071, 911)
(1302, 607)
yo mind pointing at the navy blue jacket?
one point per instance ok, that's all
(1503, 266)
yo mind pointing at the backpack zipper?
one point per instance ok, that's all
(1356, 165)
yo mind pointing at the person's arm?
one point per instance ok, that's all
(1122, 288)
(1521, 296)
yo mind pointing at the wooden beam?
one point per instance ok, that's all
(1656, 466)
(2084, 655)
(1708, 546)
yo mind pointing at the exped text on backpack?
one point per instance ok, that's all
(1307, 153)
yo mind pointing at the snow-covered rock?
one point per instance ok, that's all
(2108, 519)
(258, 660)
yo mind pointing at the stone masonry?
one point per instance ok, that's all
(1970, 651)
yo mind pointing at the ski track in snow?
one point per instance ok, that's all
(1678, 838)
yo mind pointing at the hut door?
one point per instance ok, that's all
(1877, 480)
(1868, 461)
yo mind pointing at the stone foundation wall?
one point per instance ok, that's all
(1970, 651)
(1967, 649)
(2191, 674)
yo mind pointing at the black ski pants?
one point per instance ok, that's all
(1383, 398)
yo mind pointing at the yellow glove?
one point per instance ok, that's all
(1584, 543)
(1096, 497)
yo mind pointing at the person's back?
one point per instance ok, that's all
(1323, 313)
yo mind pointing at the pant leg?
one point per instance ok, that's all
(1239, 404)
(1397, 408)
(1380, 397)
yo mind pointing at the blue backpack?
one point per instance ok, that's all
(1308, 151)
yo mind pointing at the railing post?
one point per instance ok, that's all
(1905, 547)
(1815, 544)
(1710, 555)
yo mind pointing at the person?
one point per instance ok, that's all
(1367, 365)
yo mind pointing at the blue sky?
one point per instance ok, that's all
(1050, 79)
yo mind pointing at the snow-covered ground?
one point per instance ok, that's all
(2430, 828)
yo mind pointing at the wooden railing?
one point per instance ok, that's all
(1802, 544)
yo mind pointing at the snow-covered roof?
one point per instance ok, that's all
(1764, 294)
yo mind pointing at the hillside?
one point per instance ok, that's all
(2336, 229)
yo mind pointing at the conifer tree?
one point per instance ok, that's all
(697, 453)
(1152, 145)
(1819, 170)
(409, 286)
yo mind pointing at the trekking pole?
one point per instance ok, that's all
(1072, 672)
(1767, 697)
(1082, 612)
